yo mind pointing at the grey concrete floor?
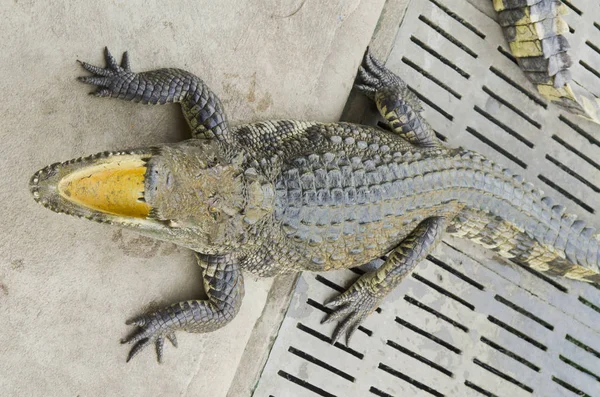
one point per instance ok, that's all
(67, 285)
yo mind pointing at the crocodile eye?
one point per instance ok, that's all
(214, 212)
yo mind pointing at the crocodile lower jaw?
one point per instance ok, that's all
(107, 187)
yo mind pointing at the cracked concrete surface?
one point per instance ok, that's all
(67, 285)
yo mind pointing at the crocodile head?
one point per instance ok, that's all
(191, 193)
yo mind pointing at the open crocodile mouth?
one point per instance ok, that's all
(105, 187)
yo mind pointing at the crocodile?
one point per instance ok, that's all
(285, 196)
(535, 31)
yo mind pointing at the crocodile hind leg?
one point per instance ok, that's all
(201, 108)
(224, 286)
(396, 103)
(363, 297)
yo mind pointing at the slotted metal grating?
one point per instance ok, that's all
(458, 327)
(466, 324)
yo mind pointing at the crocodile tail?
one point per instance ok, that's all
(577, 249)
(535, 32)
(563, 246)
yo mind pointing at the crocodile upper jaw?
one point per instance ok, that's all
(107, 187)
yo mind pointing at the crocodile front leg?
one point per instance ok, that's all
(363, 297)
(201, 108)
(224, 286)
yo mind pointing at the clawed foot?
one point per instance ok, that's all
(153, 328)
(111, 79)
(351, 308)
(374, 76)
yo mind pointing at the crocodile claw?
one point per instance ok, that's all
(350, 309)
(152, 329)
(373, 76)
(109, 79)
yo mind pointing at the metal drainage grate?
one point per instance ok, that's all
(457, 327)
(462, 326)
(456, 60)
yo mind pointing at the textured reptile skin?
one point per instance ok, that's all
(535, 31)
(202, 108)
(363, 297)
(399, 105)
(224, 285)
(285, 196)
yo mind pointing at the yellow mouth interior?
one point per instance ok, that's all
(115, 187)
